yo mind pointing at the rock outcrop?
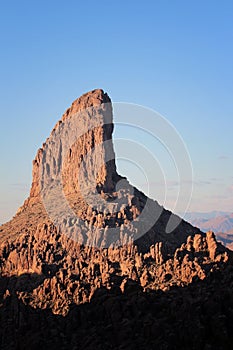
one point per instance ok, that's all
(108, 253)
(75, 179)
(93, 125)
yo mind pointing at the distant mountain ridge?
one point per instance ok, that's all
(205, 215)
(217, 221)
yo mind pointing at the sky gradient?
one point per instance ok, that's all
(175, 57)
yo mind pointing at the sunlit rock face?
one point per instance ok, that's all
(86, 124)
(75, 180)
(85, 235)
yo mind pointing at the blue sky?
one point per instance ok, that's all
(175, 57)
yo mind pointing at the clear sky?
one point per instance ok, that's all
(175, 57)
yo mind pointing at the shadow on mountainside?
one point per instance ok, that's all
(199, 316)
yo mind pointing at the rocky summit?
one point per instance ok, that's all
(89, 262)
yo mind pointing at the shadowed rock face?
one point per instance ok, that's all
(198, 316)
(64, 258)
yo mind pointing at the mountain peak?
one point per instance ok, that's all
(86, 235)
(92, 98)
(86, 125)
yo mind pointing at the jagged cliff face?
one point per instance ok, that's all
(75, 180)
(87, 124)
(85, 229)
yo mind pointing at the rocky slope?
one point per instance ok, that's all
(92, 266)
